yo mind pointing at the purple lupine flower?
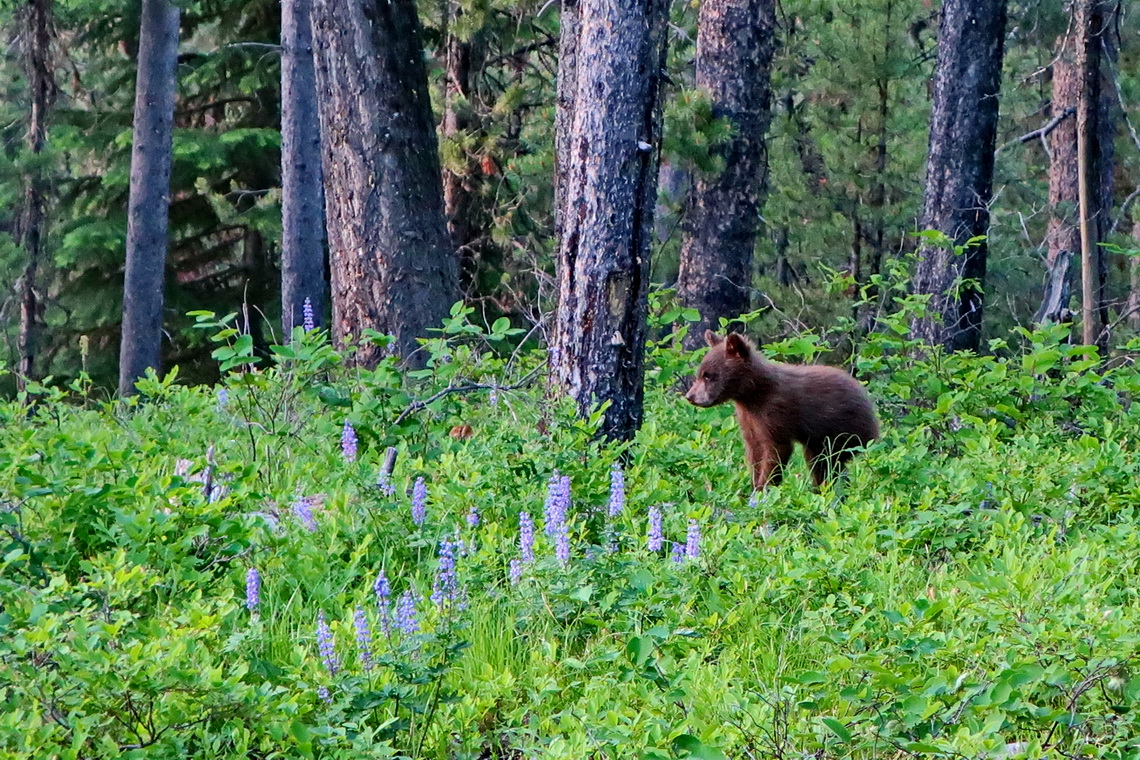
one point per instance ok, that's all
(252, 590)
(493, 396)
(655, 536)
(406, 619)
(307, 320)
(526, 537)
(445, 590)
(348, 442)
(557, 506)
(473, 517)
(384, 602)
(617, 490)
(323, 693)
(326, 646)
(754, 500)
(303, 511)
(419, 501)
(693, 541)
(562, 544)
(223, 398)
(678, 553)
(363, 639)
(516, 571)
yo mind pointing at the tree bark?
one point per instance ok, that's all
(1087, 20)
(149, 205)
(608, 200)
(41, 84)
(1133, 304)
(569, 32)
(960, 171)
(393, 269)
(1062, 238)
(735, 45)
(303, 273)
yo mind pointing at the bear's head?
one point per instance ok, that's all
(725, 372)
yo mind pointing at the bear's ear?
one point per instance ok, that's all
(713, 339)
(735, 345)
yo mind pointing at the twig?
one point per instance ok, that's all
(1043, 132)
(417, 406)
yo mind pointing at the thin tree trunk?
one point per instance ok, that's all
(393, 269)
(960, 171)
(608, 203)
(1087, 18)
(1133, 305)
(735, 45)
(303, 273)
(149, 205)
(41, 84)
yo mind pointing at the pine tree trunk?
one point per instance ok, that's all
(149, 205)
(468, 220)
(960, 170)
(303, 273)
(37, 64)
(735, 45)
(1087, 20)
(608, 201)
(567, 89)
(393, 270)
(1133, 305)
(1062, 239)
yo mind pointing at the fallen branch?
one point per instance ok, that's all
(417, 406)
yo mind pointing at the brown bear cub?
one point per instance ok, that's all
(823, 408)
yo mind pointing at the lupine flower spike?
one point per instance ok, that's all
(407, 620)
(326, 646)
(348, 442)
(617, 490)
(693, 541)
(655, 537)
(307, 320)
(384, 602)
(303, 511)
(678, 553)
(252, 590)
(419, 501)
(526, 537)
(363, 639)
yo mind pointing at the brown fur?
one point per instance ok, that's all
(777, 405)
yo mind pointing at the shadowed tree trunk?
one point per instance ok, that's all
(608, 199)
(960, 170)
(468, 218)
(149, 206)
(37, 38)
(735, 44)
(1133, 305)
(1088, 25)
(393, 269)
(302, 205)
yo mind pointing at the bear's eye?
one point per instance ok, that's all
(710, 377)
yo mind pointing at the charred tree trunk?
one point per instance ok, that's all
(303, 273)
(393, 269)
(41, 84)
(612, 157)
(1088, 20)
(567, 88)
(735, 45)
(149, 205)
(960, 171)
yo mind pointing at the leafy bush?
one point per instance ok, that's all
(197, 573)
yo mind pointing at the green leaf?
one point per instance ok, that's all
(838, 729)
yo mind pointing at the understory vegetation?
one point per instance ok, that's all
(228, 572)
